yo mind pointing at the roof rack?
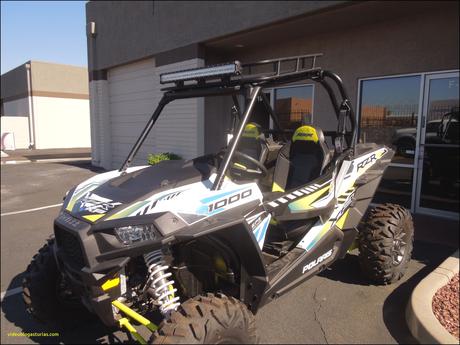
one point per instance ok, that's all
(294, 64)
(235, 71)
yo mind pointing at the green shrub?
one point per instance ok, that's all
(165, 156)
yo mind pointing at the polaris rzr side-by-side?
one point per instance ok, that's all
(201, 245)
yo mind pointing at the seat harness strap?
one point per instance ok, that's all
(344, 113)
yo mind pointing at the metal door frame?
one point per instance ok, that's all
(420, 148)
(415, 165)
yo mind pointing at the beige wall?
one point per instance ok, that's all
(19, 125)
(60, 103)
(58, 122)
(48, 79)
(61, 122)
(57, 78)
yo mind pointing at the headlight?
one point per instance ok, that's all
(136, 233)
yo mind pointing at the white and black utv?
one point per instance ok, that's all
(205, 243)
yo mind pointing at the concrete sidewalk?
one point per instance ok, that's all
(33, 155)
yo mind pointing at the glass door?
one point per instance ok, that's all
(389, 112)
(438, 166)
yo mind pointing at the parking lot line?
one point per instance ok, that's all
(30, 210)
(9, 293)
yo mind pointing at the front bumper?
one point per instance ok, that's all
(75, 251)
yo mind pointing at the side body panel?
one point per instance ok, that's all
(351, 190)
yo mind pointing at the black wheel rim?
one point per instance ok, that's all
(398, 250)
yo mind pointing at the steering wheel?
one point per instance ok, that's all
(260, 172)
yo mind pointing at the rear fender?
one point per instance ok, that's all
(365, 187)
(359, 198)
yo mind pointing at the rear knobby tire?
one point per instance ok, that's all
(210, 319)
(385, 243)
(41, 289)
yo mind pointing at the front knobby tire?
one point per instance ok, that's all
(210, 319)
(43, 293)
(385, 243)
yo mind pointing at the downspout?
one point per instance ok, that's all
(31, 116)
(95, 143)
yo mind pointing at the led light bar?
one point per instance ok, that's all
(230, 69)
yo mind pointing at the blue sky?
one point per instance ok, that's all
(401, 91)
(391, 91)
(444, 89)
(52, 31)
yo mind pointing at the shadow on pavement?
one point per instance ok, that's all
(347, 271)
(81, 329)
(84, 164)
(394, 307)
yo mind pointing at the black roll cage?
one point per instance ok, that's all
(254, 85)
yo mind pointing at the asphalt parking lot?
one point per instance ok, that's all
(338, 306)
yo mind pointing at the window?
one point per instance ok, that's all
(440, 182)
(294, 105)
(389, 114)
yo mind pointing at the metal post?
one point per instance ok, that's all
(226, 161)
(164, 100)
(31, 117)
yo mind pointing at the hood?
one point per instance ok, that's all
(105, 193)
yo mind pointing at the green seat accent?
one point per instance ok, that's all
(277, 188)
(251, 131)
(305, 133)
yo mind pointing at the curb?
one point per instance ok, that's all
(19, 161)
(50, 160)
(422, 323)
